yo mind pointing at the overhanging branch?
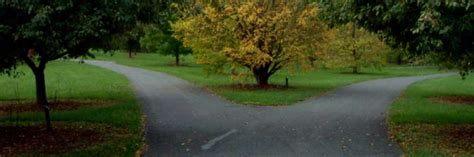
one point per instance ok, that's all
(61, 55)
(28, 61)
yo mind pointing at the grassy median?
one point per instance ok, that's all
(303, 85)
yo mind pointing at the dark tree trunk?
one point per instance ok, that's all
(261, 76)
(176, 51)
(41, 97)
(355, 67)
(399, 58)
(177, 58)
(262, 79)
(130, 53)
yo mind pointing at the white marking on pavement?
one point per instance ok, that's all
(212, 142)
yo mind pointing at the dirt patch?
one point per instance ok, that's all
(34, 138)
(248, 87)
(26, 106)
(459, 100)
(448, 139)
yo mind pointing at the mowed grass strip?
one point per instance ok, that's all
(435, 118)
(70, 82)
(303, 85)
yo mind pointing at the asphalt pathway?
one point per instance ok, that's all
(183, 120)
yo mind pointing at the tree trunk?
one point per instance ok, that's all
(355, 67)
(41, 97)
(177, 57)
(399, 58)
(130, 52)
(261, 76)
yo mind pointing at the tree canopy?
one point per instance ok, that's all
(36, 32)
(159, 36)
(354, 47)
(262, 36)
(157, 40)
(439, 28)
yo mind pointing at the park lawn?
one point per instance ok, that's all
(119, 122)
(435, 118)
(303, 85)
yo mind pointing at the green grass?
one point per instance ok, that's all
(304, 84)
(73, 81)
(416, 107)
(439, 118)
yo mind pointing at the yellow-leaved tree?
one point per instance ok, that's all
(262, 36)
(354, 47)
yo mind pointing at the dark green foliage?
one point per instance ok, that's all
(440, 28)
(156, 40)
(159, 36)
(36, 32)
(8, 60)
(128, 41)
(60, 28)
(337, 12)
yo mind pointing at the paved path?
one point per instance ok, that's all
(183, 120)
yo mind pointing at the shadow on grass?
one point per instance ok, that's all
(31, 138)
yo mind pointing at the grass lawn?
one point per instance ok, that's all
(435, 118)
(92, 104)
(303, 84)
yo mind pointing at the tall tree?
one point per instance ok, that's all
(263, 36)
(354, 47)
(440, 28)
(159, 35)
(36, 32)
(128, 41)
(161, 41)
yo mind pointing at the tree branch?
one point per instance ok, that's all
(42, 64)
(57, 56)
(276, 66)
(28, 61)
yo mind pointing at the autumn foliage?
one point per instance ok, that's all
(261, 36)
(353, 47)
